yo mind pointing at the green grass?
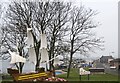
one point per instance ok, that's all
(74, 76)
(6, 77)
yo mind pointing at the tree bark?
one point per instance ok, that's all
(69, 67)
(53, 68)
(37, 58)
(71, 56)
(20, 63)
(20, 67)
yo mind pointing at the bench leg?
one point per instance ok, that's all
(80, 77)
(88, 76)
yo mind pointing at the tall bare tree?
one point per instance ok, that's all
(15, 31)
(57, 27)
(42, 16)
(81, 37)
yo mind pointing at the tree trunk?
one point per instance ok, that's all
(69, 67)
(20, 64)
(53, 68)
(37, 60)
(71, 56)
(20, 67)
(37, 55)
(50, 59)
(36, 66)
(36, 46)
(51, 53)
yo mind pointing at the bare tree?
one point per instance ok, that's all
(56, 29)
(42, 16)
(15, 30)
(50, 17)
(81, 39)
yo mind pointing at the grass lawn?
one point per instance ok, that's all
(74, 76)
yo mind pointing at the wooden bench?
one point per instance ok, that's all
(96, 70)
(83, 72)
(28, 77)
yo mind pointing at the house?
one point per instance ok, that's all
(115, 63)
(106, 59)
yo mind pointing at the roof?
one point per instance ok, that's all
(116, 60)
(107, 57)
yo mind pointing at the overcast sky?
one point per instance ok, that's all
(108, 17)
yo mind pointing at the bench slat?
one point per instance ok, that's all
(32, 76)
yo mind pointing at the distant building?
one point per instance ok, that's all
(106, 59)
(116, 63)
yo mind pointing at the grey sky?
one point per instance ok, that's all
(108, 17)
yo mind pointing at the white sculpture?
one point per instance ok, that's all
(31, 51)
(43, 48)
(15, 58)
(44, 55)
(32, 55)
(43, 41)
(30, 41)
(83, 72)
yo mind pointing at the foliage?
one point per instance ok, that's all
(55, 79)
